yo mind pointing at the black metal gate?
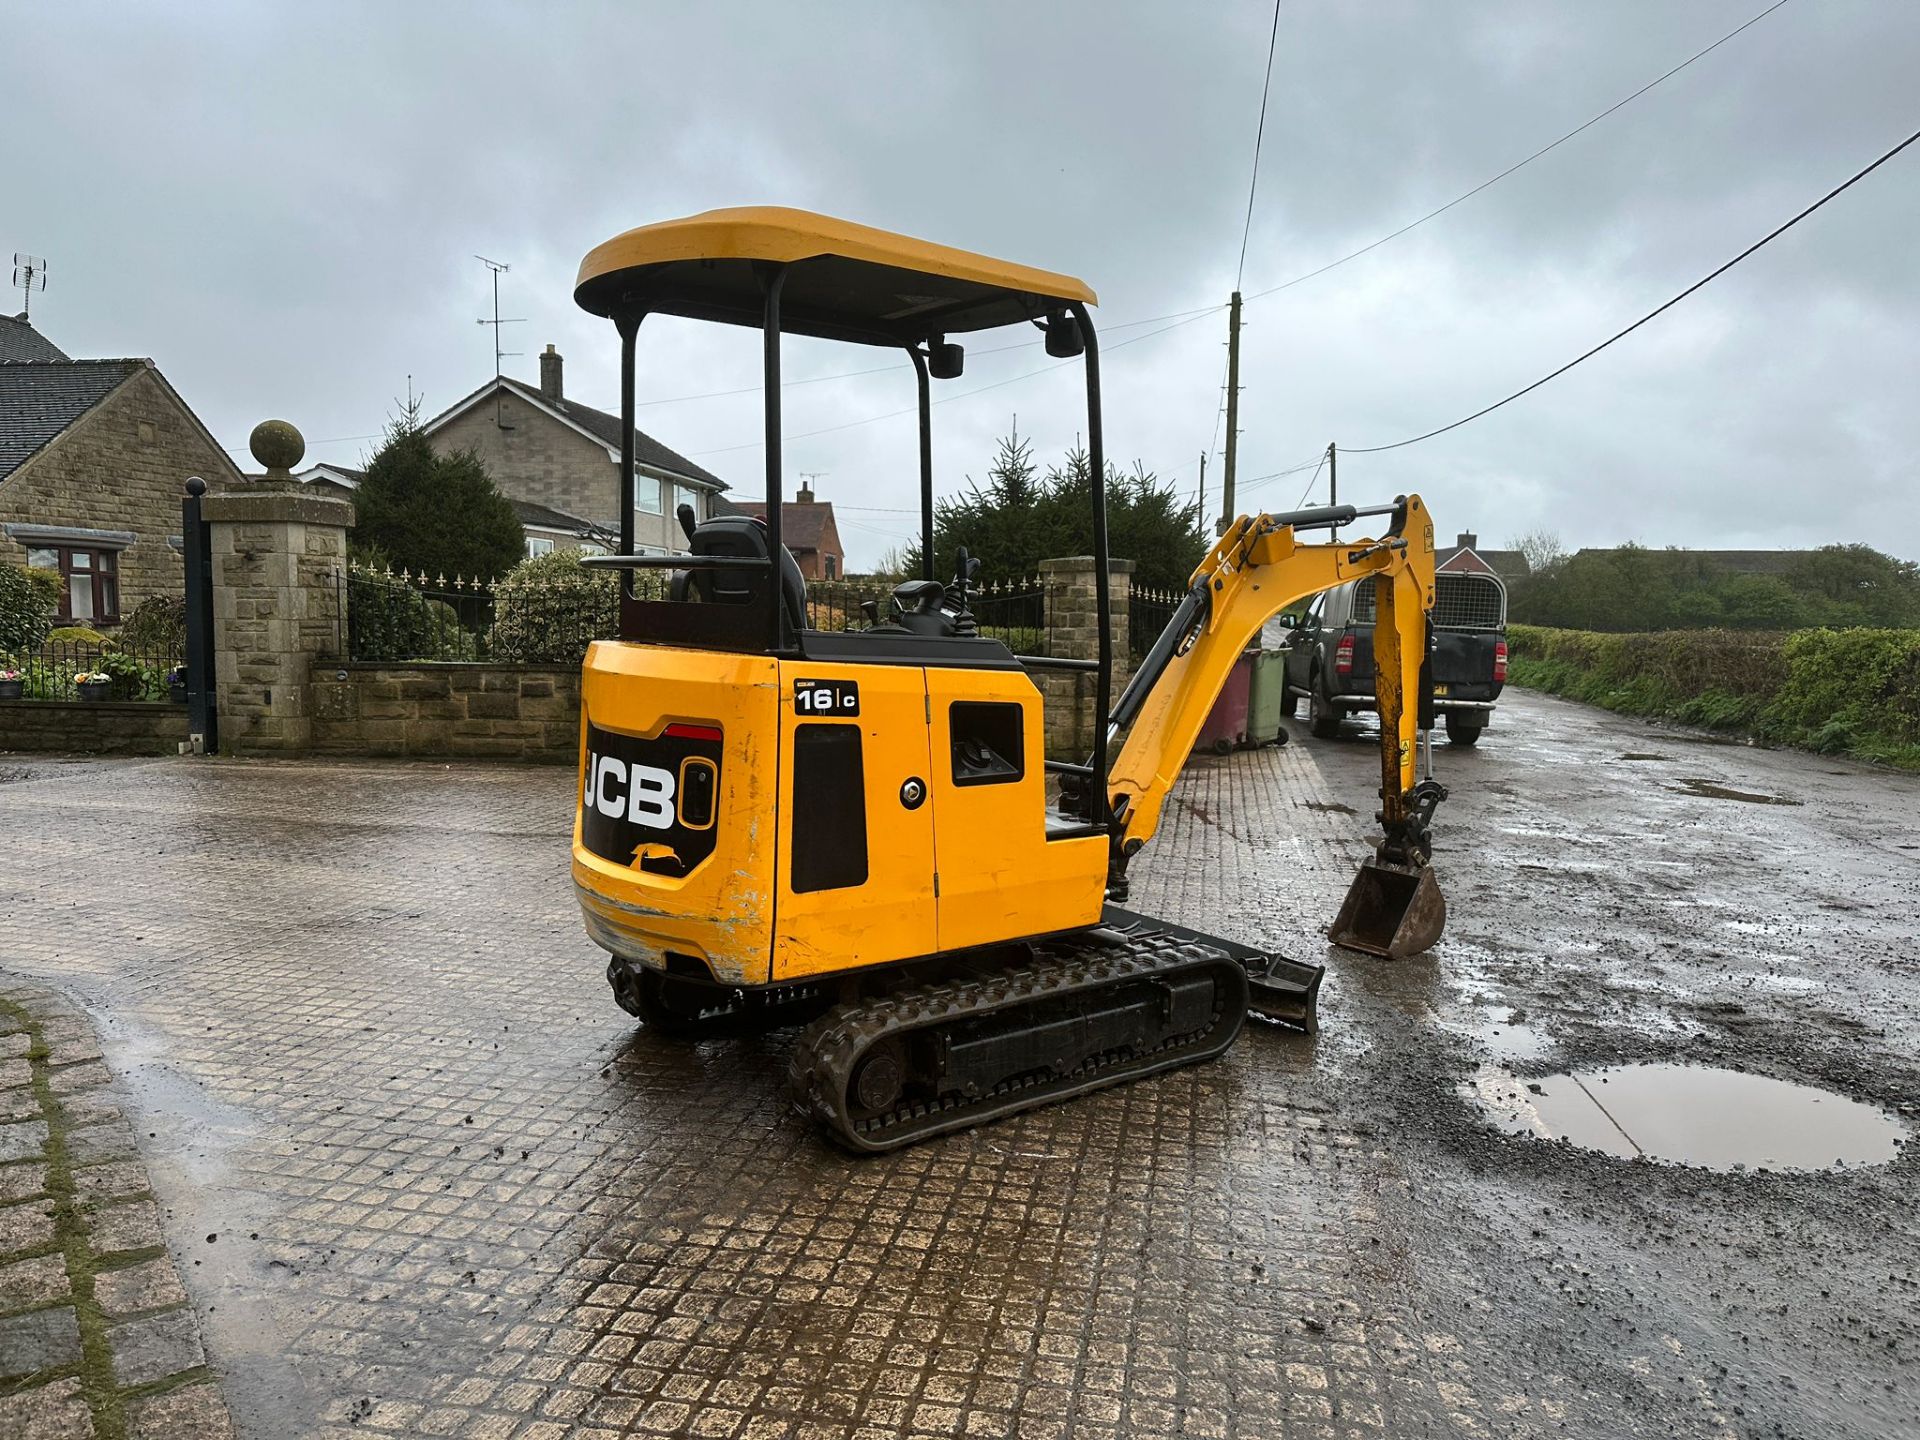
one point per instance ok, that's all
(196, 544)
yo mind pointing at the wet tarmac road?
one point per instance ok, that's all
(456, 1193)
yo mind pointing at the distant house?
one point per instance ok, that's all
(1465, 554)
(94, 459)
(807, 528)
(558, 461)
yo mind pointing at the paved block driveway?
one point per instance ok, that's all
(455, 1192)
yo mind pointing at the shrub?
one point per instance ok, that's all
(133, 679)
(548, 609)
(387, 619)
(156, 626)
(26, 611)
(76, 635)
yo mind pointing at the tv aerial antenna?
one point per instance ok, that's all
(497, 268)
(29, 274)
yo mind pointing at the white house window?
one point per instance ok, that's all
(686, 495)
(646, 494)
(538, 546)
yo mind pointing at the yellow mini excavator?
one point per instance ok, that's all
(852, 828)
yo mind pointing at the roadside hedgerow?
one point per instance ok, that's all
(1850, 691)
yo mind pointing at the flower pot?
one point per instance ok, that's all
(94, 691)
(10, 689)
(177, 693)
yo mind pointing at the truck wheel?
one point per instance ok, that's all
(1323, 716)
(1462, 731)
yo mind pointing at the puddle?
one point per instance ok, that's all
(1693, 1115)
(1638, 755)
(1331, 807)
(1707, 790)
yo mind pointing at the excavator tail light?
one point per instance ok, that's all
(1343, 657)
(1499, 662)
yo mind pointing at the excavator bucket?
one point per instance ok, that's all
(1391, 909)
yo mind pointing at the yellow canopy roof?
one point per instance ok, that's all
(846, 281)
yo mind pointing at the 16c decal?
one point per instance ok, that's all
(839, 698)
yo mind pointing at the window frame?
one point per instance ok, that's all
(102, 572)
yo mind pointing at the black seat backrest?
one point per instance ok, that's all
(745, 535)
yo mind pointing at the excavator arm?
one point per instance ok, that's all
(1255, 570)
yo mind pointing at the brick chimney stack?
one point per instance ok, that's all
(805, 497)
(550, 375)
(1468, 540)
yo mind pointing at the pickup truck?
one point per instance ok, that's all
(1330, 654)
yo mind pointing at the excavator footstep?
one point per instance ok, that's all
(1391, 909)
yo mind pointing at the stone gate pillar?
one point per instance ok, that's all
(1073, 627)
(279, 561)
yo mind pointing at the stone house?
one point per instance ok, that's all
(558, 461)
(94, 459)
(807, 528)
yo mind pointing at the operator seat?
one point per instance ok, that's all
(744, 535)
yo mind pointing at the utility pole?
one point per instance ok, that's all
(1233, 414)
(1202, 507)
(1333, 483)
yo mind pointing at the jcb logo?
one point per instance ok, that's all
(639, 794)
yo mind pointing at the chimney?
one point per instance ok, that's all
(550, 375)
(805, 497)
(1468, 540)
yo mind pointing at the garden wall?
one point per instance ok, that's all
(512, 712)
(76, 727)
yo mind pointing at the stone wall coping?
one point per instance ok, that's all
(93, 707)
(1084, 562)
(271, 506)
(441, 667)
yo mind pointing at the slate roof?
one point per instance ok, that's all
(647, 450)
(545, 517)
(802, 524)
(20, 341)
(1504, 562)
(39, 399)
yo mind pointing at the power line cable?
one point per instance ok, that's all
(1259, 134)
(1772, 235)
(1544, 149)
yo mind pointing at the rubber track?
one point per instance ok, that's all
(822, 1062)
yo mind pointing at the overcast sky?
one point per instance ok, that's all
(281, 206)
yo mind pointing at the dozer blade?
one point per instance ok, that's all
(1391, 909)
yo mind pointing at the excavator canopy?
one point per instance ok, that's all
(860, 284)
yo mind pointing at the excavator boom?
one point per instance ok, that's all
(1257, 569)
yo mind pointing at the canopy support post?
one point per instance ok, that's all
(926, 462)
(773, 279)
(1102, 585)
(628, 324)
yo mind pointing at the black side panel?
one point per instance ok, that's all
(829, 846)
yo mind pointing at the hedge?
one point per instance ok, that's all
(1851, 692)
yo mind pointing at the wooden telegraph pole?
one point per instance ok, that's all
(1227, 511)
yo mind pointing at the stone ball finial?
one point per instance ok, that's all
(276, 445)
